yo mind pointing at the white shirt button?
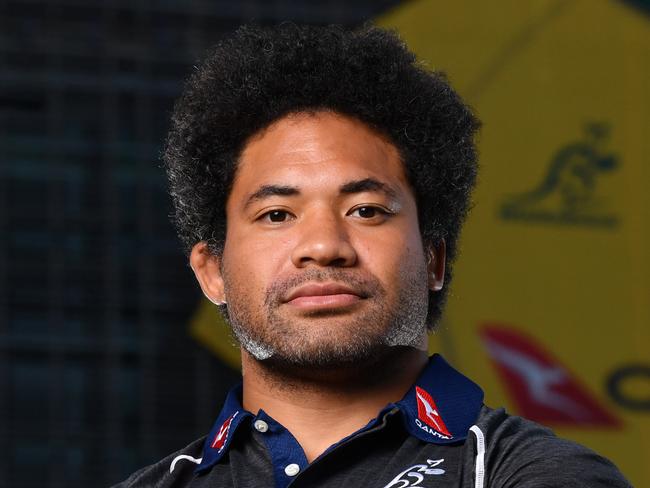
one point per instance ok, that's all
(292, 469)
(261, 426)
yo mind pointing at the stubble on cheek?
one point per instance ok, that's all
(409, 322)
(242, 318)
(266, 327)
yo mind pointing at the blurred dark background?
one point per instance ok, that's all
(98, 375)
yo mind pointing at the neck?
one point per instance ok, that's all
(323, 407)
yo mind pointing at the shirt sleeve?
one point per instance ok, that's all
(176, 470)
(524, 454)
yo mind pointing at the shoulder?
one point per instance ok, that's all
(177, 468)
(522, 453)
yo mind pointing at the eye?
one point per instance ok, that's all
(276, 216)
(367, 212)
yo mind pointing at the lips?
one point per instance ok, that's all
(318, 295)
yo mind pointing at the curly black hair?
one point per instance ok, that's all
(260, 74)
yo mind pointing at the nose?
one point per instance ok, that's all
(324, 242)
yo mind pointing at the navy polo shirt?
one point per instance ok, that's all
(438, 409)
(421, 441)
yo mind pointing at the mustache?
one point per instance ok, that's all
(366, 284)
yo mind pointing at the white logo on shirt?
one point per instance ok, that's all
(417, 473)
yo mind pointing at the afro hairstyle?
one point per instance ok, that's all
(261, 74)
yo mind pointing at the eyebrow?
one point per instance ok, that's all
(266, 191)
(349, 188)
(370, 185)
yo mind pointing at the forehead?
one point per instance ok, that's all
(318, 147)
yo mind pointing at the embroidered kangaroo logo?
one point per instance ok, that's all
(416, 474)
(428, 413)
(567, 194)
(431, 414)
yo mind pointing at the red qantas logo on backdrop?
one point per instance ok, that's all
(428, 412)
(542, 389)
(221, 437)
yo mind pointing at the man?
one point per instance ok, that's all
(320, 178)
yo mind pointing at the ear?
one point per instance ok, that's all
(436, 258)
(207, 269)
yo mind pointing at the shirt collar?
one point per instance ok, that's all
(220, 437)
(439, 408)
(441, 405)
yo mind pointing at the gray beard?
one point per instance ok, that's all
(272, 338)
